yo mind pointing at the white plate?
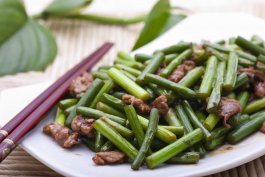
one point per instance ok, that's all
(77, 161)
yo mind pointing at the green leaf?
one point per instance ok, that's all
(26, 45)
(12, 17)
(160, 20)
(64, 7)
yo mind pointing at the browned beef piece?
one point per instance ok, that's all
(189, 65)
(177, 74)
(108, 157)
(227, 108)
(251, 72)
(161, 104)
(137, 103)
(180, 71)
(62, 135)
(259, 89)
(80, 84)
(83, 126)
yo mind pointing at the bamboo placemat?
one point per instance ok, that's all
(75, 40)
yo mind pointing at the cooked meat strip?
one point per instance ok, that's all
(108, 157)
(83, 126)
(161, 104)
(181, 70)
(137, 103)
(227, 108)
(251, 72)
(80, 84)
(62, 135)
(189, 65)
(259, 89)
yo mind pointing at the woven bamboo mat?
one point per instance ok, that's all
(75, 40)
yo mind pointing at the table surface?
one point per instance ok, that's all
(76, 39)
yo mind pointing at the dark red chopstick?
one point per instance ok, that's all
(26, 124)
(15, 121)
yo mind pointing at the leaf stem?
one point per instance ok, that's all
(95, 18)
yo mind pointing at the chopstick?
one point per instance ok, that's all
(32, 114)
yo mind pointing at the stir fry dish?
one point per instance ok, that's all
(169, 107)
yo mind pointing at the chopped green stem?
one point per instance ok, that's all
(178, 130)
(171, 118)
(174, 148)
(162, 133)
(177, 88)
(152, 67)
(241, 80)
(243, 98)
(257, 40)
(132, 64)
(108, 146)
(86, 99)
(135, 124)
(220, 131)
(128, 85)
(178, 48)
(113, 136)
(246, 129)
(89, 112)
(113, 101)
(142, 57)
(192, 77)
(208, 78)
(245, 62)
(261, 58)
(67, 103)
(199, 148)
(109, 110)
(231, 72)
(238, 119)
(99, 141)
(60, 117)
(255, 106)
(149, 136)
(184, 119)
(68, 110)
(247, 56)
(185, 158)
(90, 143)
(175, 62)
(125, 56)
(108, 85)
(125, 132)
(170, 57)
(118, 94)
(211, 145)
(216, 94)
(101, 75)
(218, 47)
(129, 75)
(248, 45)
(130, 70)
(211, 121)
(201, 116)
(194, 120)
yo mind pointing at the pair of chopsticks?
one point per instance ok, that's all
(27, 118)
